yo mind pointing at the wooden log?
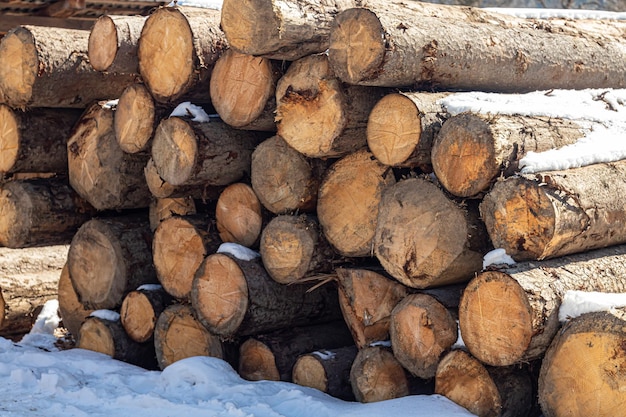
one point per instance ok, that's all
(159, 188)
(40, 212)
(472, 150)
(583, 371)
(556, 213)
(141, 309)
(35, 141)
(109, 257)
(113, 43)
(319, 116)
(402, 127)
(398, 45)
(178, 47)
(376, 375)
(179, 335)
(242, 89)
(510, 316)
(49, 67)
(164, 208)
(239, 216)
(234, 297)
(99, 171)
(71, 310)
(484, 390)
(348, 200)
(425, 239)
(272, 356)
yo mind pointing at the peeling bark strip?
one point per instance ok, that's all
(113, 42)
(403, 44)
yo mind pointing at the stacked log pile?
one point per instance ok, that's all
(301, 235)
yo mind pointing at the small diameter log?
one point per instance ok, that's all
(239, 215)
(177, 49)
(180, 244)
(49, 67)
(425, 239)
(159, 188)
(71, 310)
(327, 370)
(236, 297)
(510, 316)
(582, 374)
(283, 179)
(35, 141)
(179, 335)
(404, 44)
(484, 390)
(164, 208)
(472, 150)
(376, 375)
(556, 213)
(319, 116)
(113, 43)
(99, 171)
(108, 258)
(40, 212)
(140, 310)
(348, 200)
(243, 90)
(271, 356)
(402, 127)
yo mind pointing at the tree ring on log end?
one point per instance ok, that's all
(9, 139)
(96, 336)
(138, 316)
(102, 46)
(15, 215)
(257, 362)
(240, 22)
(133, 120)
(174, 150)
(20, 64)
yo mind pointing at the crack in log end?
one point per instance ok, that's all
(74, 148)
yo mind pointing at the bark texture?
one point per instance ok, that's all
(164, 208)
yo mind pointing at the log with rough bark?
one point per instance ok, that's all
(582, 374)
(109, 257)
(113, 43)
(235, 297)
(243, 90)
(160, 188)
(472, 150)
(163, 208)
(99, 171)
(376, 375)
(178, 47)
(49, 67)
(71, 310)
(35, 141)
(402, 44)
(425, 239)
(348, 200)
(510, 316)
(555, 213)
(39, 212)
(140, 310)
(402, 127)
(239, 216)
(319, 116)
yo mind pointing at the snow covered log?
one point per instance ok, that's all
(163, 208)
(239, 216)
(72, 312)
(140, 311)
(113, 42)
(376, 375)
(510, 316)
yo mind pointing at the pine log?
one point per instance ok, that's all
(472, 150)
(425, 239)
(99, 171)
(239, 216)
(233, 297)
(49, 67)
(179, 335)
(402, 127)
(348, 200)
(401, 44)
(180, 244)
(164, 208)
(113, 43)
(39, 212)
(556, 213)
(140, 310)
(484, 390)
(582, 373)
(510, 316)
(71, 310)
(283, 179)
(109, 257)
(376, 375)
(160, 188)
(272, 356)
(319, 116)
(242, 89)
(35, 141)
(177, 49)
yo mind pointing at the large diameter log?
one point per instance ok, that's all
(511, 316)
(234, 297)
(425, 239)
(113, 43)
(99, 171)
(140, 310)
(583, 371)
(49, 67)
(71, 310)
(109, 257)
(376, 375)
(239, 216)
(40, 212)
(35, 141)
(348, 200)
(472, 150)
(400, 44)
(557, 213)
(163, 208)
(177, 49)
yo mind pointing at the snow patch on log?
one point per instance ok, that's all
(205, 4)
(149, 287)
(188, 110)
(106, 315)
(238, 251)
(497, 257)
(576, 303)
(538, 13)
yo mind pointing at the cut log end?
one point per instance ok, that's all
(96, 336)
(249, 24)
(134, 119)
(9, 139)
(102, 46)
(20, 66)
(15, 211)
(376, 375)
(257, 362)
(174, 150)
(309, 372)
(238, 215)
(138, 316)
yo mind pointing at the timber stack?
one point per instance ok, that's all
(328, 226)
